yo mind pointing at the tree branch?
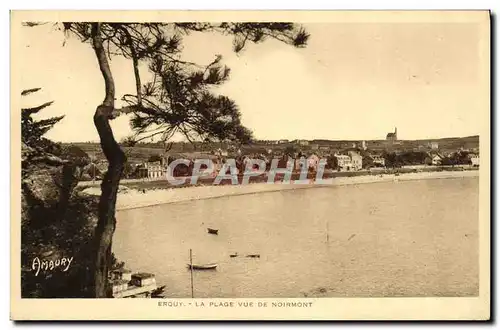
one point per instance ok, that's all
(149, 136)
(125, 110)
(135, 62)
(29, 91)
(109, 99)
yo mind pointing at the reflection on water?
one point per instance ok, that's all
(414, 238)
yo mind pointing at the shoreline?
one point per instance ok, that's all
(133, 199)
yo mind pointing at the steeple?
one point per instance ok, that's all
(395, 133)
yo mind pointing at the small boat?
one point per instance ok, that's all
(202, 267)
(234, 255)
(253, 256)
(213, 231)
(158, 293)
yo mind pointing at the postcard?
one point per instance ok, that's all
(250, 165)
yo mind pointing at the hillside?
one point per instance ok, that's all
(142, 152)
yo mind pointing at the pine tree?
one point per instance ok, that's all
(32, 130)
(36, 148)
(177, 100)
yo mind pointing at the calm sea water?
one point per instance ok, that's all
(413, 238)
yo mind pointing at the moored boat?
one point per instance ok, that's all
(213, 231)
(253, 256)
(202, 267)
(158, 293)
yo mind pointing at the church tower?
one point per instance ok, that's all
(391, 137)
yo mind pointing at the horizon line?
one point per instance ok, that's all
(300, 139)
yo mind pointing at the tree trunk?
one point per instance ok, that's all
(109, 187)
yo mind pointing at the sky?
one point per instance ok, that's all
(353, 81)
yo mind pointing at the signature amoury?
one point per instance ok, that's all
(40, 264)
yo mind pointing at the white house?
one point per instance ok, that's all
(156, 170)
(436, 160)
(344, 162)
(356, 160)
(474, 160)
(377, 159)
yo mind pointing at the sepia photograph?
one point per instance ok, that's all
(256, 163)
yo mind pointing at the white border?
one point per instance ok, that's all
(191, 4)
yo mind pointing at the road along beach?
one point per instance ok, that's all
(135, 198)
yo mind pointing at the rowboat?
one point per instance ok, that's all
(158, 293)
(213, 231)
(203, 267)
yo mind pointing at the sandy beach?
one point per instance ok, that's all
(131, 198)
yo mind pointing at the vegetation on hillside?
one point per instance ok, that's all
(56, 223)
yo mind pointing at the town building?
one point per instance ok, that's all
(284, 141)
(434, 145)
(343, 162)
(437, 159)
(356, 161)
(124, 284)
(378, 160)
(474, 158)
(302, 142)
(392, 137)
(156, 170)
(142, 279)
(121, 274)
(141, 171)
